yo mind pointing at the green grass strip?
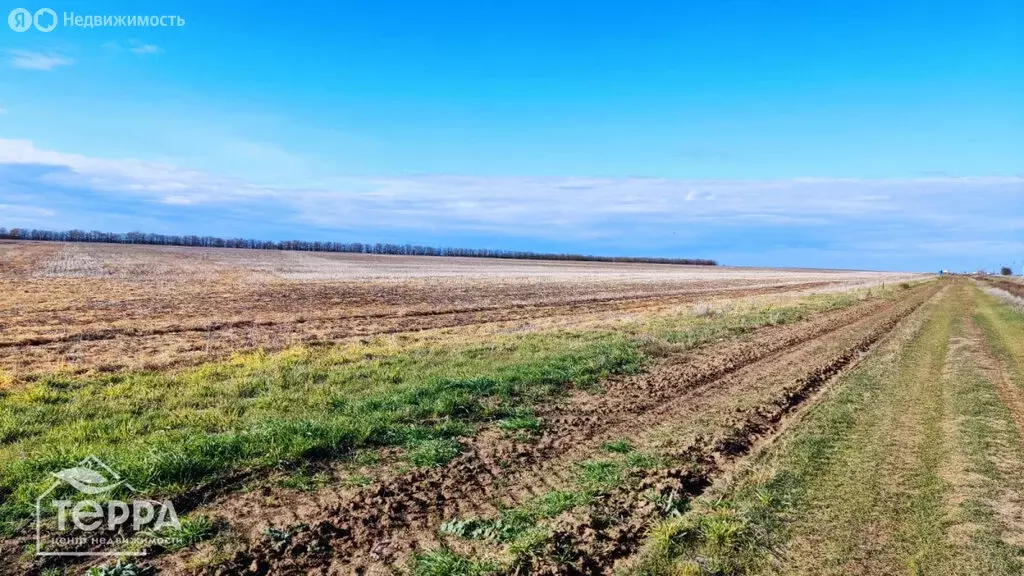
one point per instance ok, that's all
(168, 432)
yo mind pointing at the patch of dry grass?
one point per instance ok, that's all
(909, 466)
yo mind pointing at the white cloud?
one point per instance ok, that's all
(135, 47)
(973, 247)
(146, 49)
(28, 60)
(558, 207)
(132, 177)
(178, 200)
(19, 210)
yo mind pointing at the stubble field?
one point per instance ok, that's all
(86, 307)
(339, 414)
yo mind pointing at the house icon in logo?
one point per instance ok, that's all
(91, 476)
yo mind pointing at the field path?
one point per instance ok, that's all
(706, 407)
(915, 464)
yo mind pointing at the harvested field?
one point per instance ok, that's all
(94, 307)
(636, 419)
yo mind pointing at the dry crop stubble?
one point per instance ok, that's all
(89, 307)
(486, 367)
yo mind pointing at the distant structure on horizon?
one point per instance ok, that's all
(322, 246)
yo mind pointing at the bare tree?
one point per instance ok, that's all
(320, 246)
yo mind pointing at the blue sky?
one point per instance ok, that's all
(886, 135)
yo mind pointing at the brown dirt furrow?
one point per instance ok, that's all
(996, 371)
(379, 525)
(81, 347)
(586, 547)
(462, 315)
(1015, 288)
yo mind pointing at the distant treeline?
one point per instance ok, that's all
(317, 246)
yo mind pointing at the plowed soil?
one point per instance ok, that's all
(81, 308)
(705, 408)
(1015, 288)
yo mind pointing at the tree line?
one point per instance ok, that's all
(318, 246)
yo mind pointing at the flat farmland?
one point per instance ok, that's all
(354, 414)
(82, 307)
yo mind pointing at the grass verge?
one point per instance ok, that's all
(908, 466)
(168, 432)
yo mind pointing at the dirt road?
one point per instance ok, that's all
(705, 409)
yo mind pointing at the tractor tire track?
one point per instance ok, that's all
(421, 319)
(381, 524)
